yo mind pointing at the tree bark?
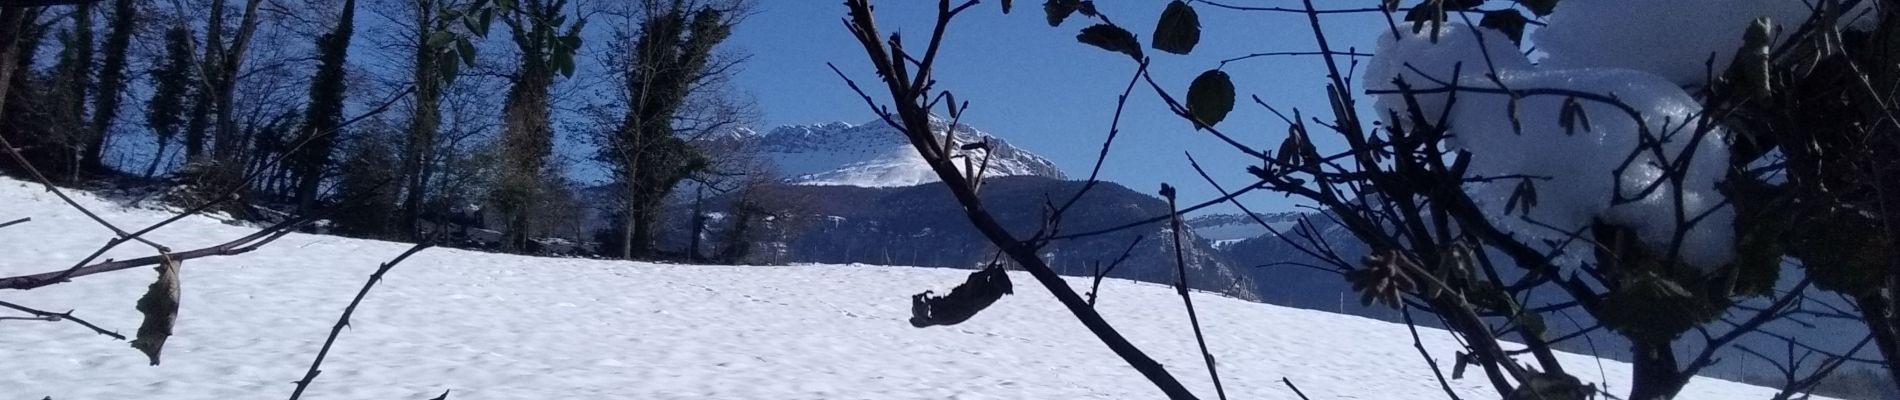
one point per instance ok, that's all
(325, 110)
(111, 81)
(526, 142)
(78, 81)
(1878, 314)
(1657, 376)
(425, 120)
(199, 123)
(699, 224)
(227, 144)
(12, 22)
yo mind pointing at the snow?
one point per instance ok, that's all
(493, 326)
(1232, 228)
(1675, 39)
(875, 155)
(1576, 171)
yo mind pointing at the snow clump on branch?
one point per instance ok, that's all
(1573, 132)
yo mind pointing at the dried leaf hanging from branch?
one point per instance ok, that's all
(160, 307)
(982, 288)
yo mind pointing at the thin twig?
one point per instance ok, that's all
(1096, 288)
(1296, 389)
(66, 316)
(1181, 286)
(15, 222)
(344, 320)
(1420, 345)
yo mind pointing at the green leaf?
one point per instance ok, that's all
(160, 307)
(1179, 29)
(450, 67)
(1539, 7)
(1508, 21)
(1425, 14)
(1461, 4)
(1210, 98)
(488, 19)
(439, 39)
(466, 49)
(1087, 8)
(564, 62)
(571, 43)
(1111, 38)
(1058, 10)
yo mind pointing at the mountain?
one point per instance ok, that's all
(1280, 269)
(874, 154)
(494, 326)
(1227, 229)
(924, 226)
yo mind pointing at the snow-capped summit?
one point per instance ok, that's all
(874, 154)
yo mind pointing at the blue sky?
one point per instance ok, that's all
(1029, 83)
(1038, 88)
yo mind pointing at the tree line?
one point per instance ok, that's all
(405, 119)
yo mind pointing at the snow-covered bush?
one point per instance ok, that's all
(1649, 163)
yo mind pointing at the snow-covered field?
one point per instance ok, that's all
(508, 327)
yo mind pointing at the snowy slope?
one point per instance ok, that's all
(875, 155)
(508, 327)
(1231, 228)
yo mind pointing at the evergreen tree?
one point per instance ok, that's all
(173, 83)
(546, 43)
(671, 54)
(105, 107)
(325, 113)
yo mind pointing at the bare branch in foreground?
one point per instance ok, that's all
(909, 98)
(65, 316)
(240, 245)
(1095, 288)
(344, 320)
(1296, 389)
(1181, 286)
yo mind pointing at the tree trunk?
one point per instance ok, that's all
(699, 224)
(78, 76)
(325, 110)
(526, 143)
(1656, 377)
(642, 235)
(157, 157)
(626, 230)
(198, 125)
(228, 143)
(1878, 315)
(425, 120)
(12, 22)
(737, 244)
(111, 80)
